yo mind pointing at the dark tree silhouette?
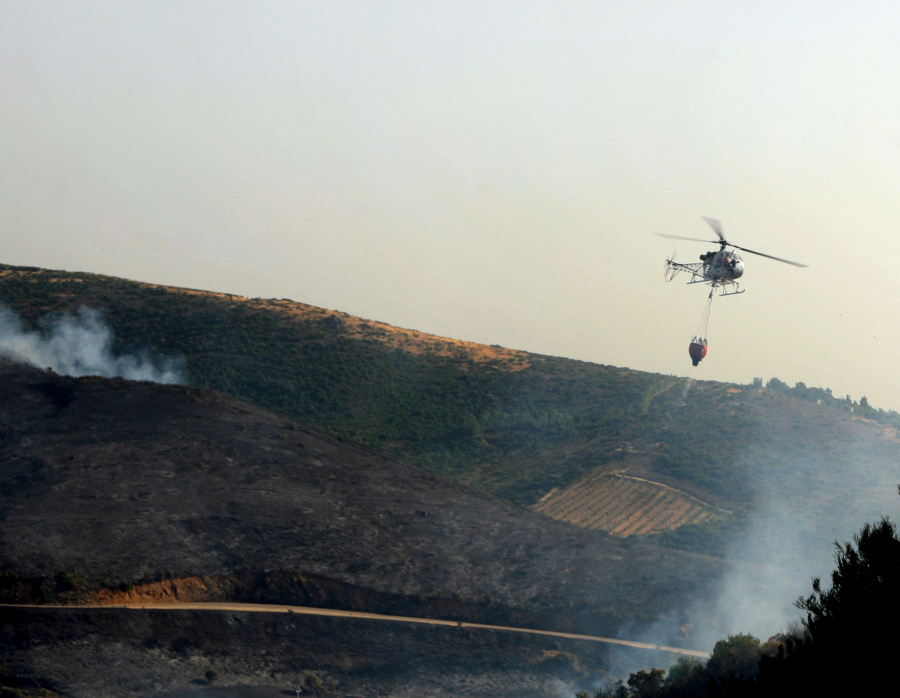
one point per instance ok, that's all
(848, 647)
(646, 684)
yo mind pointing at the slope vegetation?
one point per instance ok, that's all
(508, 423)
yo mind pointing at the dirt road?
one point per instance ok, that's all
(304, 610)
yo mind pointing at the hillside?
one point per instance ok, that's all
(509, 423)
(114, 490)
(116, 483)
(516, 425)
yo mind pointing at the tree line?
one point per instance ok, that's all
(824, 396)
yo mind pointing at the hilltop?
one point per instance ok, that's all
(559, 435)
(505, 422)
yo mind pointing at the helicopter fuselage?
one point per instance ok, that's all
(719, 268)
(722, 266)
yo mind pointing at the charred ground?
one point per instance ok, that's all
(124, 481)
(110, 483)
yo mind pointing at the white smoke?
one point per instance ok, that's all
(81, 345)
(803, 502)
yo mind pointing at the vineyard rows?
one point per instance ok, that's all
(624, 506)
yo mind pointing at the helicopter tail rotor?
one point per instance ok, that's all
(670, 270)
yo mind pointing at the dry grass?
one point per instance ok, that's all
(354, 327)
(625, 506)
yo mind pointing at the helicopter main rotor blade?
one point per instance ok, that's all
(679, 237)
(761, 254)
(716, 226)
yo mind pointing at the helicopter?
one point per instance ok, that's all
(719, 268)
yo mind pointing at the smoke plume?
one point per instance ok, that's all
(81, 345)
(805, 497)
(804, 502)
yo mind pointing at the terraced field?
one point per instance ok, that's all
(625, 506)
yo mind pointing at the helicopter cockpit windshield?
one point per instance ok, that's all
(722, 265)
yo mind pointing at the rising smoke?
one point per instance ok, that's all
(804, 500)
(81, 345)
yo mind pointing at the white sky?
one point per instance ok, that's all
(491, 171)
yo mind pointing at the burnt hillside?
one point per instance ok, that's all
(115, 482)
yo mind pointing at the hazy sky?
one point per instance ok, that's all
(491, 171)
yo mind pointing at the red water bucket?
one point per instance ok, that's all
(697, 351)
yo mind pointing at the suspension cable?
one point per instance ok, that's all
(700, 334)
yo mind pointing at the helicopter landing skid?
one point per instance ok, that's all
(734, 287)
(733, 292)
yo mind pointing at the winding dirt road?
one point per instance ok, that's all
(304, 610)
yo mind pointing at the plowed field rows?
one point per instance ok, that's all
(624, 506)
